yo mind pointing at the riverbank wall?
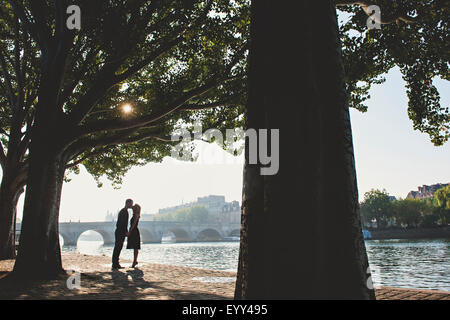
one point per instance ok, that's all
(410, 233)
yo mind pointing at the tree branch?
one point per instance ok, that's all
(21, 13)
(17, 69)
(109, 79)
(142, 137)
(194, 107)
(138, 66)
(20, 179)
(124, 137)
(43, 31)
(171, 44)
(88, 102)
(90, 154)
(119, 124)
(60, 7)
(23, 145)
(81, 145)
(2, 157)
(81, 72)
(7, 77)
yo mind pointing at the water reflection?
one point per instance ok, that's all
(422, 264)
(206, 255)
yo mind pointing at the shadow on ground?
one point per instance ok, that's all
(111, 285)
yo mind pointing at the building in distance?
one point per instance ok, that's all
(426, 191)
(218, 208)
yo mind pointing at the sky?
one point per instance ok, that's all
(389, 154)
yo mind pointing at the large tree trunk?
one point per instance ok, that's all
(9, 196)
(39, 254)
(301, 234)
(11, 187)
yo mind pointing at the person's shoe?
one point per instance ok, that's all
(134, 264)
(117, 267)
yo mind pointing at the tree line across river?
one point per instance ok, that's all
(378, 209)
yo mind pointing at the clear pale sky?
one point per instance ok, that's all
(389, 154)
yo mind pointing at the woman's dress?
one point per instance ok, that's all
(134, 238)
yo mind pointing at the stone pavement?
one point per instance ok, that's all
(390, 293)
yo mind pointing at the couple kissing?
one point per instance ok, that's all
(122, 232)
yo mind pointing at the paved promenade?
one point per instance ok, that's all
(155, 282)
(389, 293)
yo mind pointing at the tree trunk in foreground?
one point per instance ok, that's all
(301, 235)
(9, 197)
(39, 254)
(11, 187)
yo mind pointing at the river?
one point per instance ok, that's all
(420, 264)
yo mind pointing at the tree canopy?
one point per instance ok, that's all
(413, 37)
(175, 60)
(376, 205)
(413, 212)
(442, 197)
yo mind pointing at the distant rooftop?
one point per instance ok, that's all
(426, 191)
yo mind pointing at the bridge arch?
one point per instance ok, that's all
(69, 238)
(62, 240)
(181, 235)
(107, 237)
(209, 234)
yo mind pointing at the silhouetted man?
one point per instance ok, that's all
(121, 231)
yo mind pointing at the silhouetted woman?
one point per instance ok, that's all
(134, 237)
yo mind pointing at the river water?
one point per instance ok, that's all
(421, 264)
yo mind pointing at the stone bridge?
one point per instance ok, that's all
(151, 231)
